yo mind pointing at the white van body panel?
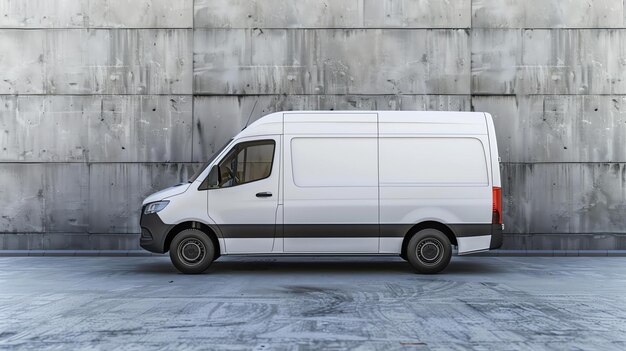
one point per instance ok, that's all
(166, 193)
(493, 146)
(450, 183)
(237, 210)
(351, 182)
(271, 124)
(318, 193)
(474, 244)
(189, 206)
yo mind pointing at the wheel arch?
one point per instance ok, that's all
(192, 225)
(425, 225)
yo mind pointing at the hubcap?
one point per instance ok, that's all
(429, 251)
(191, 251)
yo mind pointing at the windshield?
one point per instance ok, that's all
(199, 171)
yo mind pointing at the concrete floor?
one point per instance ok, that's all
(503, 303)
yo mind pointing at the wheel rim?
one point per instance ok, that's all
(191, 251)
(429, 251)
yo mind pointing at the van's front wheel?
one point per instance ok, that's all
(429, 251)
(192, 251)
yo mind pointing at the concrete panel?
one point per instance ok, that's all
(22, 198)
(558, 128)
(118, 61)
(417, 14)
(547, 14)
(278, 14)
(219, 118)
(95, 128)
(45, 128)
(563, 244)
(548, 61)
(44, 197)
(577, 242)
(141, 13)
(332, 14)
(21, 241)
(144, 129)
(331, 61)
(114, 242)
(96, 13)
(116, 191)
(22, 62)
(43, 13)
(564, 198)
(496, 55)
(66, 197)
(64, 241)
(516, 241)
(69, 242)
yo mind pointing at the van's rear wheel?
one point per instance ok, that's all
(429, 251)
(192, 251)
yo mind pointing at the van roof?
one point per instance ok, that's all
(272, 123)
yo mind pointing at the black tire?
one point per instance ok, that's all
(429, 251)
(192, 251)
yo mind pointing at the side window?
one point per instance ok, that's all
(247, 162)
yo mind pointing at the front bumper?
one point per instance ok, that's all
(153, 232)
(496, 236)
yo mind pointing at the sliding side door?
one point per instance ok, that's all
(331, 183)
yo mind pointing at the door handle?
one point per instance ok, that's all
(264, 194)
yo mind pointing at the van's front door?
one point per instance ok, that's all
(244, 204)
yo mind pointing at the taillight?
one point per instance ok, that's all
(497, 206)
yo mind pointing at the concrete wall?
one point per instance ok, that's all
(105, 101)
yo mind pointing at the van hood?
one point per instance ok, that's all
(165, 193)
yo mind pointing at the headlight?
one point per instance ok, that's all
(155, 207)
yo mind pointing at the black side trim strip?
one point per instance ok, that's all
(340, 230)
(247, 230)
(331, 230)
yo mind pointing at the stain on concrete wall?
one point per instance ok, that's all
(558, 128)
(96, 14)
(21, 64)
(105, 101)
(584, 198)
(303, 61)
(96, 61)
(332, 14)
(22, 198)
(95, 128)
(555, 61)
(547, 14)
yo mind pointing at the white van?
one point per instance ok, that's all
(402, 183)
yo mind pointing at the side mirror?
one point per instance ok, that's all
(212, 181)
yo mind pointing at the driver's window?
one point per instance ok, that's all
(247, 162)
